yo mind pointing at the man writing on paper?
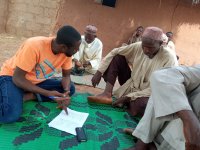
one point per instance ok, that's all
(31, 69)
(89, 55)
(144, 58)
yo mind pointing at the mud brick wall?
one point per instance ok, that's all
(31, 17)
(3, 15)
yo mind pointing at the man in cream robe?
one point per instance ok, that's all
(172, 116)
(89, 55)
(136, 37)
(144, 59)
(170, 43)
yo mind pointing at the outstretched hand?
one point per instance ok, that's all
(96, 78)
(78, 64)
(63, 102)
(62, 99)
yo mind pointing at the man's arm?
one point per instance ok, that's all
(75, 59)
(127, 51)
(66, 79)
(77, 63)
(20, 81)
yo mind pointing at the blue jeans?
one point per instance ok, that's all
(53, 84)
(11, 97)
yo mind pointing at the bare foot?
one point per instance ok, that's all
(28, 97)
(105, 94)
(128, 130)
(103, 98)
(137, 107)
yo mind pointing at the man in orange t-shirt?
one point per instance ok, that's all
(32, 69)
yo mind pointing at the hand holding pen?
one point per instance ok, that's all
(62, 100)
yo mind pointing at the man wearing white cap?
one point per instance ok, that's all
(89, 55)
(144, 57)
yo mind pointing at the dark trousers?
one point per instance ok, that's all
(118, 68)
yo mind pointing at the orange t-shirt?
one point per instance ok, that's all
(35, 56)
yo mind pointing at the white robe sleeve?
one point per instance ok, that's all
(97, 57)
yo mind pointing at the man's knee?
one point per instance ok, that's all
(138, 106)
(157, 77)
(165, 76)
(119, 58)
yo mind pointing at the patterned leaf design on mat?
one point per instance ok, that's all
(31, 120)
(128, 117)
(90, 127)
(127, 139)
(11, 127)
(36, 113)
(104, 117)
(27, 137)
(51, 131)
(112, 145)
(120, 130)
(29, 127)
(43, 109)
(102, 121)
(63, 134)
(105, 136)
(68, 143)
(92, 136)
(102, 129)
(131, 124)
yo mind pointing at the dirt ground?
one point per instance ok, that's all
(9, 45)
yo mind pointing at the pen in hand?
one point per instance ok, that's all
(62, 101)
(65, 108)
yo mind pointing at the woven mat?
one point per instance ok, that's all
(103, 128)
(86, 80)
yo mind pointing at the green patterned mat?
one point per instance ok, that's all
(103, 128)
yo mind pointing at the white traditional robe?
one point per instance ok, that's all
(90, 52)
(173, 90)
(142, 67)
(171, 45)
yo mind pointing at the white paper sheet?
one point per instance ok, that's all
(69, 122)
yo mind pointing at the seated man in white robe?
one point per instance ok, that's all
(172, 117)
(89, 55)
(170, 43)
(136, 36)
(144, 57)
